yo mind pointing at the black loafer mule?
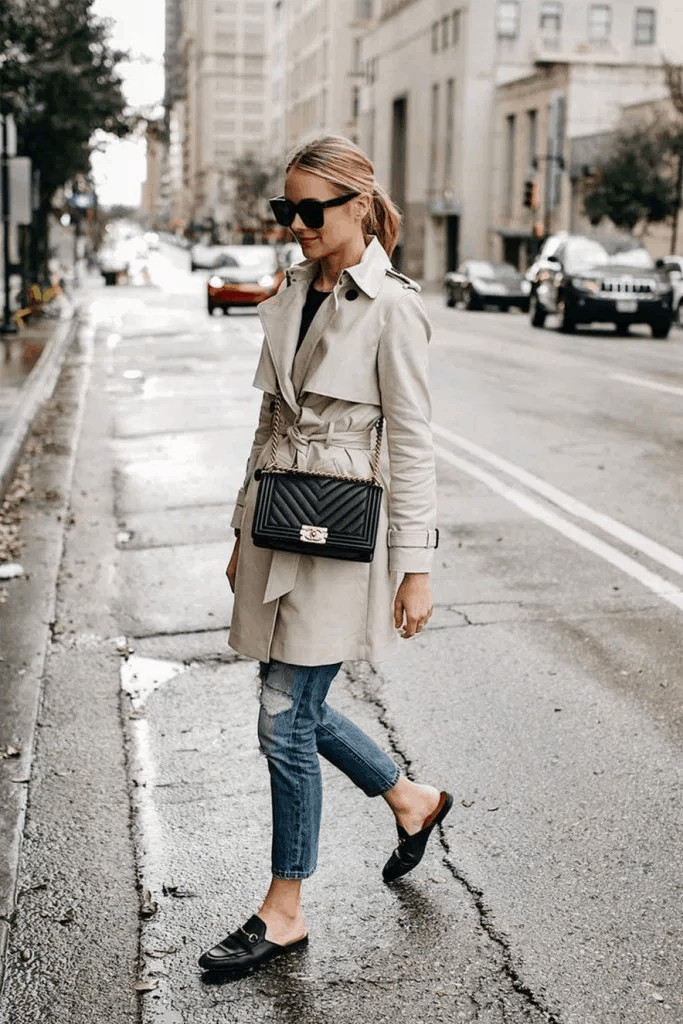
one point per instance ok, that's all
(245, 949)
(410, 849)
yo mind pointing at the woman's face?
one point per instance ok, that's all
(341, 230)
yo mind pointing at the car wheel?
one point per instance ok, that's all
(537, 314)
(110, 279)
(623, 330)
(679, 313)
(504, 308)
(450, 300)
(567, 323)
(210, 307)
(226, 310)
(472, 302)
(660, 329)
(193, 267)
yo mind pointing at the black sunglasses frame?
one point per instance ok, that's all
(311, 211)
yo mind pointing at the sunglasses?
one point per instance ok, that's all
(311, 211)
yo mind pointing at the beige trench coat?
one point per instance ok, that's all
(365, 355)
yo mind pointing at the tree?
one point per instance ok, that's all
(59, 78)
(635, 182)
(253, 183)
(674, 80)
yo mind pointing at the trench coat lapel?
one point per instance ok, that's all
(312, 339)
(281, 320)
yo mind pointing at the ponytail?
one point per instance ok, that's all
(383, 220)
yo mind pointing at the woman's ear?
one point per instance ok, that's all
(363, 204)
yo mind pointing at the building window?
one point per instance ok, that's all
(435, 37)
(551, 18)
(532, 139)
(599, 23)
(510, 132)
(444, 32)
(355, 103)
(363, 10)
(645, 26)
(455, 27)
(507, 19)
(434, 138)
(450, 120)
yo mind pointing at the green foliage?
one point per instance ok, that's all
(636, 180)
(253, 183)
(59, 78)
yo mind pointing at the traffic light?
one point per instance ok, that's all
(531, 195)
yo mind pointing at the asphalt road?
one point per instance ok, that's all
(545, 695)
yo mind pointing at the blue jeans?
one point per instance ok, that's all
(295, 725)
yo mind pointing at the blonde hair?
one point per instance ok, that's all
(346, 167)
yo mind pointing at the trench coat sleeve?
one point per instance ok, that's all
(260, 438)
(403, 372)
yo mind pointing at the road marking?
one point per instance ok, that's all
(619, 531)
(669, 389)
(657, 584)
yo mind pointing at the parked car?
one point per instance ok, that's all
(206, 257)
(248, 275)
(478, 283)
(582, 283)
(113, 259)
(673, 267)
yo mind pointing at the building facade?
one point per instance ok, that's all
(463, 102)
(216, 103)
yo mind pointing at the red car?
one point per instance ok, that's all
(248, 275)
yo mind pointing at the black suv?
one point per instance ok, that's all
(582, 284)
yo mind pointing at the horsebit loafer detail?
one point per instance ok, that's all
(246, 949)
(410, 849)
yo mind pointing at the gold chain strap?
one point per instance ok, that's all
(275, 440)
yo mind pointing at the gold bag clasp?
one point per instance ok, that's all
(313, 534)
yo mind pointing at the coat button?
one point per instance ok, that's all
(351, 294)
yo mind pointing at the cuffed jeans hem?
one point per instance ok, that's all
(292, 875)
(381, 792)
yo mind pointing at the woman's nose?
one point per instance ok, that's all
(297, 223)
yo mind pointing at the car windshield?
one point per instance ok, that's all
(582, 254)
(478, 268)
(638, 257)
(252, 256)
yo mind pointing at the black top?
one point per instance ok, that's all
(314, 300)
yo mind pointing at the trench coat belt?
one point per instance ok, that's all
(284, 565)
(360, 439)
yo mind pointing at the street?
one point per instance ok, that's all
(545, 695)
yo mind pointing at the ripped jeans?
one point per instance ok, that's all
(295, 725)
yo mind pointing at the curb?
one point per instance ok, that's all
(36, 390)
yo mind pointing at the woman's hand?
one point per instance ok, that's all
(413, 603)
(231, 571)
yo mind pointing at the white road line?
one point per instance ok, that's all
(657, 584)
(670, 389)
(619, 531)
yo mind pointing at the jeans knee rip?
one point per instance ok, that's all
(273, 701)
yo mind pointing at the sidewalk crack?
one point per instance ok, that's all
(368, 681)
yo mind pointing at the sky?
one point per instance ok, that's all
(138, 26)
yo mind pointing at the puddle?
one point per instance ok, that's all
(142, 676)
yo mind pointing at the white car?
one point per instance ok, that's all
(206, 257)
(673, 266)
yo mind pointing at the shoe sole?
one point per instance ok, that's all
(214, 975)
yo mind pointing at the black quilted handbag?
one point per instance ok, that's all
(316, 513)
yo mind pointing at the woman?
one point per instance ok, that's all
(346, 343)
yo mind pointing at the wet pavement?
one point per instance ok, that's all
(546, 696)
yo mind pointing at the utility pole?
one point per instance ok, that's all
(7, 326)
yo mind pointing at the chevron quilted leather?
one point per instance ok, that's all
(347, 509)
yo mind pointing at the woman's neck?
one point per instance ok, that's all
(332, 265)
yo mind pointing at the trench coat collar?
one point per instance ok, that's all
(368, 274)
(281, 315)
